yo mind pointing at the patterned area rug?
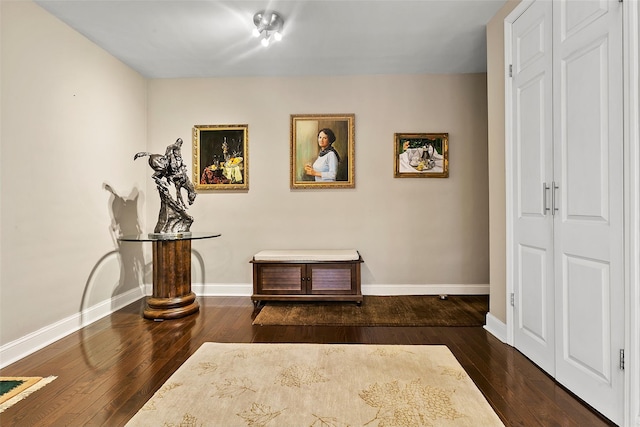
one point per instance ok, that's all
(406, 310)
(14, 389)
(318, 385)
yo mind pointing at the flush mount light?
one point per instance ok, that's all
(268, 26)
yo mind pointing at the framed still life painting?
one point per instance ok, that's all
(421, 155)
(322, 151)
(221, 157)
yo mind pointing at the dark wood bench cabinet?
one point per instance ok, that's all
(301, 277)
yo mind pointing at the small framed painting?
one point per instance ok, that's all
(421, 155)
(322, 151)
(221, 157)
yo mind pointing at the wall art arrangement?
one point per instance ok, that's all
(421, 155)
(221, 157)
(322, 151)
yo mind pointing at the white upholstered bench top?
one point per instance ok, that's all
(308, 255)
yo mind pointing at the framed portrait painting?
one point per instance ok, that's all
(322, 151)
(421, 155)
(221, 157)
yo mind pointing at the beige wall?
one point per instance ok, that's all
(72, 117)
(497, 190)
(419, 232)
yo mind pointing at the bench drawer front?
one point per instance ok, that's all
(280, 279)
(331, 279)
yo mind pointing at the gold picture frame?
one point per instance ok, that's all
(221, 157)
(314, 167)
(421, 155)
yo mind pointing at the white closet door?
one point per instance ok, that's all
(533, 174)
(588, 228)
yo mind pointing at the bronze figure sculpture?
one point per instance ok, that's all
(170, 169)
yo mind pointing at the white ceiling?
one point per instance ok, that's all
(212, 38)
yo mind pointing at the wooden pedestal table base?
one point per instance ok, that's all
(172, 297)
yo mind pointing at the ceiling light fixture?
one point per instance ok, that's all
(268, 25)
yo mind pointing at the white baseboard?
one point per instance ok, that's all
(223, 289)
(425, 289)
(24, 346)
(34, 341)
(496, 327)
(246, 289)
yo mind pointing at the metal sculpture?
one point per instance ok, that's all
(169, 169)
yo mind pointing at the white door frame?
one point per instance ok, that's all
(631, 46)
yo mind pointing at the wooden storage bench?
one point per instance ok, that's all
(307, 275)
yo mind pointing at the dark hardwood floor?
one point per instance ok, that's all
(108, 370)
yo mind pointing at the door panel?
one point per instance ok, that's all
(585, 315)
(532, 171)
(588, 239)
(534, 333)
(573, 16)
(533, 313)
(586, 158)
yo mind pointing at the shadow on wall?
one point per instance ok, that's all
(123, 269)
(198, 279)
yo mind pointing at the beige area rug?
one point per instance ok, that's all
(405, 310)
(318, 385)
(20, 388)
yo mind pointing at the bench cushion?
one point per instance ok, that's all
(308, 255)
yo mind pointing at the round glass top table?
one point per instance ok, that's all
(153, 237)
(172, 297)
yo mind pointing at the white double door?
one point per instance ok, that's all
(567, 198)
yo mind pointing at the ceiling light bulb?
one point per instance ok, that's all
(256, 32)
(265, 42)
(277, 36)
